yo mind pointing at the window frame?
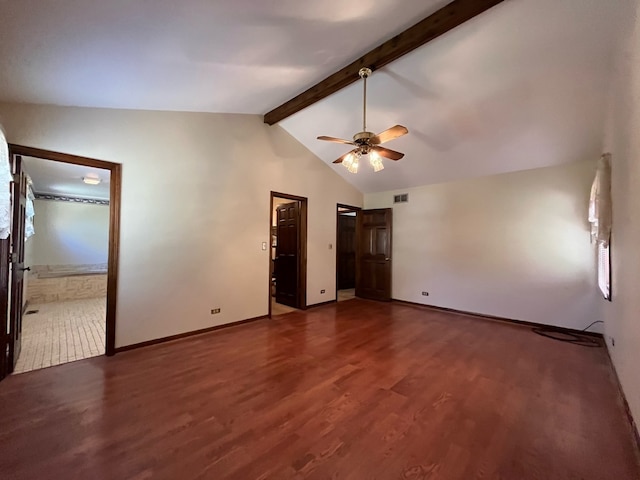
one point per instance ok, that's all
(604, 269)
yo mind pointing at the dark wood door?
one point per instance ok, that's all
(287, 270)
(373, 254)
(346, 251)
(19, 198)
(4, 308)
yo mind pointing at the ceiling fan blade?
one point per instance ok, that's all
(335, 140)
(385, 152)
(339, 160)
(389, 134)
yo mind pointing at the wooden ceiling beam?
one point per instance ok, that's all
(447, 18)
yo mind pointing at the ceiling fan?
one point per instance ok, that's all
(368, 143)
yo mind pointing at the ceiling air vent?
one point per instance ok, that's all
(402, 198)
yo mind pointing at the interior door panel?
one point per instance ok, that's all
(373, 254)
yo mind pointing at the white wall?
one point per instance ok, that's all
(70, 233)
(195, 208)
(514, 245)
(622, 314)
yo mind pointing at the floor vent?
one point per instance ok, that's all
(402, 198)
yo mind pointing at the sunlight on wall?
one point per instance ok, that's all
(514, 245)
(553, 236)
(70, 233)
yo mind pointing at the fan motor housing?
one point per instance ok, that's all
(363, 138)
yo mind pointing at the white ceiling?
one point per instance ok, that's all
(521, 86)
(59, 178)
(240, 56)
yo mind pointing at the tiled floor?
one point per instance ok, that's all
(62, 332)
(346, 294)
(280, 309)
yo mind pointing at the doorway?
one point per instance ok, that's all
(288, 253)
(373, 254)
(346, 222)
(363, 253)
(12, 272)
(65, 264)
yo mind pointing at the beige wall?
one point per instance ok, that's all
(195, 208)
(70, 233)
(622, 314)
(514, 245)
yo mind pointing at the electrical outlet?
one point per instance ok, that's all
(425, 294)
(214, 311)
(322, 291)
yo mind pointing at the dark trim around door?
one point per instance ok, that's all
(114, 225)
(302, 258)
(348, 208)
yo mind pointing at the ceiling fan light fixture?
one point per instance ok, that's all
(352, 161)
(368, 143)
(376, 161)
(348, 160)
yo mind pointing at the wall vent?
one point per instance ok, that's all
(402, 198)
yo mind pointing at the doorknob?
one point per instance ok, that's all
(387, 259)
(27, 269)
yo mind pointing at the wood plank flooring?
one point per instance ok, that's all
(353, 390)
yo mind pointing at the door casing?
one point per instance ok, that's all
(302, 257)
(4, 307)
(114, 228)
(345, 208)
(19, 203)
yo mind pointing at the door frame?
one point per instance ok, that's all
(388, 213)
(350, 208)
(115, 190)
(19, 194)
(302, 257)
(5, 283)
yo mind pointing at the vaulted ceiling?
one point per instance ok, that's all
(237, 56)
(521, 86)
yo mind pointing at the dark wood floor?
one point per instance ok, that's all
(355, 390)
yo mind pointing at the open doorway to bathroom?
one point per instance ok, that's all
(62, 269)
(65, 257)
(346, 252)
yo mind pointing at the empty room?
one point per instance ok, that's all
(338, 240)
